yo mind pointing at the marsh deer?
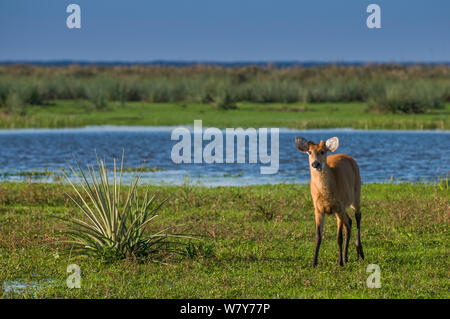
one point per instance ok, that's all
(335, 185)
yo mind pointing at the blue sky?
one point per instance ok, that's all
(226, 30)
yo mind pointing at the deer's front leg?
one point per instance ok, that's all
(319, 231)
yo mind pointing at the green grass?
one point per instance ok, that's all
(257, 242)
(70, 113)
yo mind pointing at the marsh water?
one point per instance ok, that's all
(383, 156)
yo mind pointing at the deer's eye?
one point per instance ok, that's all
(309, 152)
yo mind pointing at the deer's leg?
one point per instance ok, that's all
(348, 235)
(359, 248)
(339, 238)
(319, 231)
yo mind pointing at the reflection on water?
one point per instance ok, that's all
(382, 155)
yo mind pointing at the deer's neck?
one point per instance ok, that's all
(323, 180)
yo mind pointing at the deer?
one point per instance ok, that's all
(335, 185)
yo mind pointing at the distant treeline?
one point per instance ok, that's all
(386, 88)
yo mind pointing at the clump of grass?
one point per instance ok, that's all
(142, 169)
(113, 229)
(443, 183)
(233, 175)
(33, 93)
(15, 104)
(97, 96)
(410, 98)
(225, 101)
(30, 174)
(201, 249)
(268, 210)
(4, 91)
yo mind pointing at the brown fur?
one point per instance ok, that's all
(334, 188)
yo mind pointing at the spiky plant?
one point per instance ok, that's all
(112, 228)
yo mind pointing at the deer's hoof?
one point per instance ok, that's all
(360, 252)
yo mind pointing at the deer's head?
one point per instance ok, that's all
(317, 152)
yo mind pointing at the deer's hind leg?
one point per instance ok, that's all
(343, 220)
(348, 235)
(359, 248)
(339, 238)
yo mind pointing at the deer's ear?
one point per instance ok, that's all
(301, 144)
(332, 144)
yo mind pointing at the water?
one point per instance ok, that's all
(381, 155)
(19, 286)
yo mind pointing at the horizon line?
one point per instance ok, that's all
(280, 63)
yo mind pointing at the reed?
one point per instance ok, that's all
(384, 86)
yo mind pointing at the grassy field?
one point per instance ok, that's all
(74, 113)
(257, 242)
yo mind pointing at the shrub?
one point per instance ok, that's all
(113, 227)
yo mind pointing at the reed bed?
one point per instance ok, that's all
(386, 88)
